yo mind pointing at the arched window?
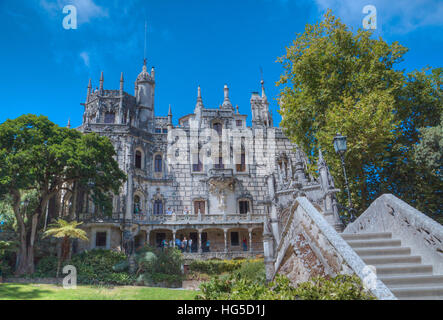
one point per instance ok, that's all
(158, 163)
(241, 167)
(109, 117)
(138, 159)
(218, 128)
(137, 204)
(158, 207)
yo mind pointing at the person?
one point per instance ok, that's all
(208, 244)
(184, 244)
(163, 243)
(190, 245)
(245, 244)
(169, 211)
(186, 211)
(178, 243)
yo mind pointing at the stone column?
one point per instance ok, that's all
(199, 241)
(225, 232)
(250, 240)
(148, 233)
(173, 237)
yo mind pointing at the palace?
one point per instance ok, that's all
(243, 191)
(211, 178)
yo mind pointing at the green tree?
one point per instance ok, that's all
(338, 81)
(38, 155)
(65, 231)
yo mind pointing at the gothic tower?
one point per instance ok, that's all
(144, 95)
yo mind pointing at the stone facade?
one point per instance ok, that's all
(211, 177)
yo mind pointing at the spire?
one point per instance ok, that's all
(263, 94)
(101, 81)
(226, 101)
(321, 161)
(121, 83)
(169, 117)
(69, 123)
(89, 89)
(199, 104)
(145, 69)
(152, 73)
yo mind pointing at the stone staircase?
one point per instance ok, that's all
(403, 273)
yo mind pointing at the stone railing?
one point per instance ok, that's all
(94, 218)
(146, 218)
(316, 248)
(419, 232)
(222, 255)
(203, 218)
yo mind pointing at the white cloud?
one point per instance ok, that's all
(85, 57)
(392, 16)
(86, 9)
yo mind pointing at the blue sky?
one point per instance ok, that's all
(45, 68)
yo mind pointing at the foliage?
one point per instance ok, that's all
(237, 288)
(253, 270)
(339, 81)
(216, 266)
(93, 267)
(66, 231)
(159, 266)
(36, 154)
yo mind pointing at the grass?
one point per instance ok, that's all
(13, 291)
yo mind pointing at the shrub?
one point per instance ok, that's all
(159, 266)
(213, 267)
(253, 270)
(93, 267)
(237, 288)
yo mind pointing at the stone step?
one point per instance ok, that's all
(374, 243)
(418, 291)
(399, 269)
(384, 251)
(406, 280)
(391, 259)
(366, 236)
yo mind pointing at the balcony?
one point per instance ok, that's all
(197, 218)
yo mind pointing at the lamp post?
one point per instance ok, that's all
(340, 148)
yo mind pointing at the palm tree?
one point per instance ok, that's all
(66, 231)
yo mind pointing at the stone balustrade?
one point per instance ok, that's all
(146, 218)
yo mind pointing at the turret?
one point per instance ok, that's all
(121, 84)
(169, 119)
(101, 83)
(226, 101)
(144, 94)
(89, 90)
(261, 116)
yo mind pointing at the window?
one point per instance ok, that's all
(165, 130)
(158, 163)
(241, 167)
(109, 117)
(138, 159)
(217, 127)
(234, 239)
(137, 204)
(158, 207)
(100, 239)
(199, 205)
(158, 130)
(244, 206)
(197, 164)
(239, 123)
